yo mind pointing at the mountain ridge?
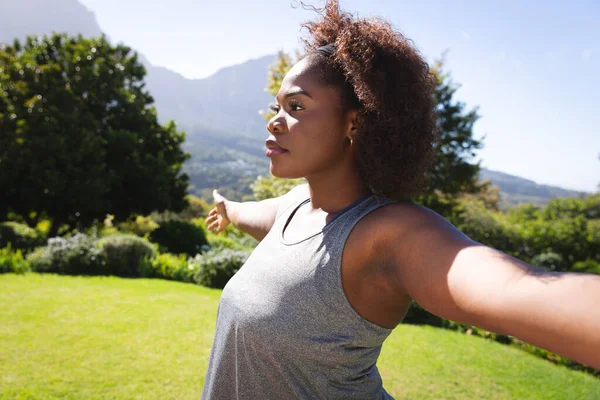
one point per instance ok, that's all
(217, 112)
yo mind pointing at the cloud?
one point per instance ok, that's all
(586, 54)
(465, 36)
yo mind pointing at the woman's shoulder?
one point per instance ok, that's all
(399, 215)
(393, 222)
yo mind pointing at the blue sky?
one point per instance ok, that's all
(532, 68)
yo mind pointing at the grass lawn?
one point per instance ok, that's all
(111, 338)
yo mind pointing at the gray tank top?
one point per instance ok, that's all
(285, 328)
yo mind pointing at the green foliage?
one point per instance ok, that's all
(229, 238)
(270, 187)
(522, 213)
(179, 237)
(123, 254)
(589, 266)
(169, 267)
(197, 208)
(79, 136)
(452, 172)
(555, 236)
(218, 266)
(139, 225)
(77, 255)
(277, 72)
(550, 261)
(20, 236)
(13, 261)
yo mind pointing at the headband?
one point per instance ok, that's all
(326, 50)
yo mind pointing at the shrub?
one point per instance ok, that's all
(550, 261)
(13, 261)
(123, 254)
(179, 237)
(229, 238)
(197, 208)
(20, 236)
(168, 266)
(589, 266)
(140, 226)
(77, 255)
(218, 266)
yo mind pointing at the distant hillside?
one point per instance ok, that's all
(225, 133)
(228, 100)
(515, 190)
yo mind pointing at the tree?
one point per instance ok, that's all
(453, 172)
(79, 137)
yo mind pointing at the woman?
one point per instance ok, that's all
(341, 258)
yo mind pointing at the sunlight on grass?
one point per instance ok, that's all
(105, 337)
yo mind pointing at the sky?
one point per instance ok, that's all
(531, 68)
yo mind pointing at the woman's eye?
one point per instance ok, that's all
(293, 106)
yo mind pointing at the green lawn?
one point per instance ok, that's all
(112, 338)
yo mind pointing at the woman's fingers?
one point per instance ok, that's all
(213, 226)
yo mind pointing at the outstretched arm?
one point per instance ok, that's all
(459, 279)
(253, 217)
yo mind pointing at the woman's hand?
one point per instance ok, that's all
(217, 219)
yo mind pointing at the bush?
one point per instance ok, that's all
(123, 254)
(77, 255)
(13, 261)
(550, 261)
(589, 266)
(20, 236)
(140, 226)
(229, 238)
(179, 237)
(168, 266)
(218, 266)
(197, 208)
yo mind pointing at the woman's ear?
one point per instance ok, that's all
(352, 123)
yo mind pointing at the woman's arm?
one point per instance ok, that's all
(253, 217)
(459, 279)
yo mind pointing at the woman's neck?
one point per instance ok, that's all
(333, 191)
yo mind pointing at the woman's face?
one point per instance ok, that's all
(309, 134)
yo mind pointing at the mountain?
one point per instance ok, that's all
(225, 133)
(227, 101)
(21, 18)
(516, 190)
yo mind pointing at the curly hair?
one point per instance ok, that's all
(382, 75)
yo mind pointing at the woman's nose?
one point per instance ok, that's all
(275, 125)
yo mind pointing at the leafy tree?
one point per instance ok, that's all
(277, 72)
(79, 137)
(269, 187)
(453, 172)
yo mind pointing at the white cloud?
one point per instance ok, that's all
(586, 54)
(465, 36)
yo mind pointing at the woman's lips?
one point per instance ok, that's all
(275, 151)
(273, 148)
